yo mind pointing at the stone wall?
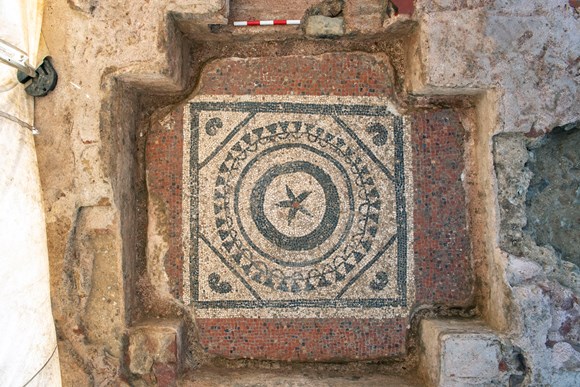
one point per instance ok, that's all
(545, 287)
(532, 87)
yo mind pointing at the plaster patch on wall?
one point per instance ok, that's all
(553, 197)
(157, 246)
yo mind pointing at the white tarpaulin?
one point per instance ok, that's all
(28, 354)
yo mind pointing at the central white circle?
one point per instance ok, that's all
(295, 203)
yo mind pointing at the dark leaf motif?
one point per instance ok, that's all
(381, 133)
(212, 125)
(290, 193)
(217, 285)
(380, 282)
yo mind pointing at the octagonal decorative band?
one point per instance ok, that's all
(296, 208)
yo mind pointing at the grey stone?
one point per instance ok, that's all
(513, 177)
(86, 6)
(460, 353)
(469, 357)
(155, 343)
(324, 27)
(330, 8)
(564, 357)
(521, 270)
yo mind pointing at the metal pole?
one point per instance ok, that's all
(15, 57)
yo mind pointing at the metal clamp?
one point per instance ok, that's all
(44, 81)
(41, 81)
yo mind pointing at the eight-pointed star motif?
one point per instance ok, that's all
(295, 204)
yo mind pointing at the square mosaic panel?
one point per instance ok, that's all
(297, 207)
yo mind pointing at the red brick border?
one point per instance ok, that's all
(442, 249)
(304, 339)
(164, 158)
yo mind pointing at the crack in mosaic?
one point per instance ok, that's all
(297, 205)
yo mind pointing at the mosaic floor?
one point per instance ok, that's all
(298, 207)
(308, 228)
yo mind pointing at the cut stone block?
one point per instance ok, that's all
(364, 16)
(364, 7)
(323, 26)
(470, 356)
(459, 353)
(155, 351)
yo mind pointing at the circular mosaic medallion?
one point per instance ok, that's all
(296, 216)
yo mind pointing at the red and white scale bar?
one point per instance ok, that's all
(277, 22)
